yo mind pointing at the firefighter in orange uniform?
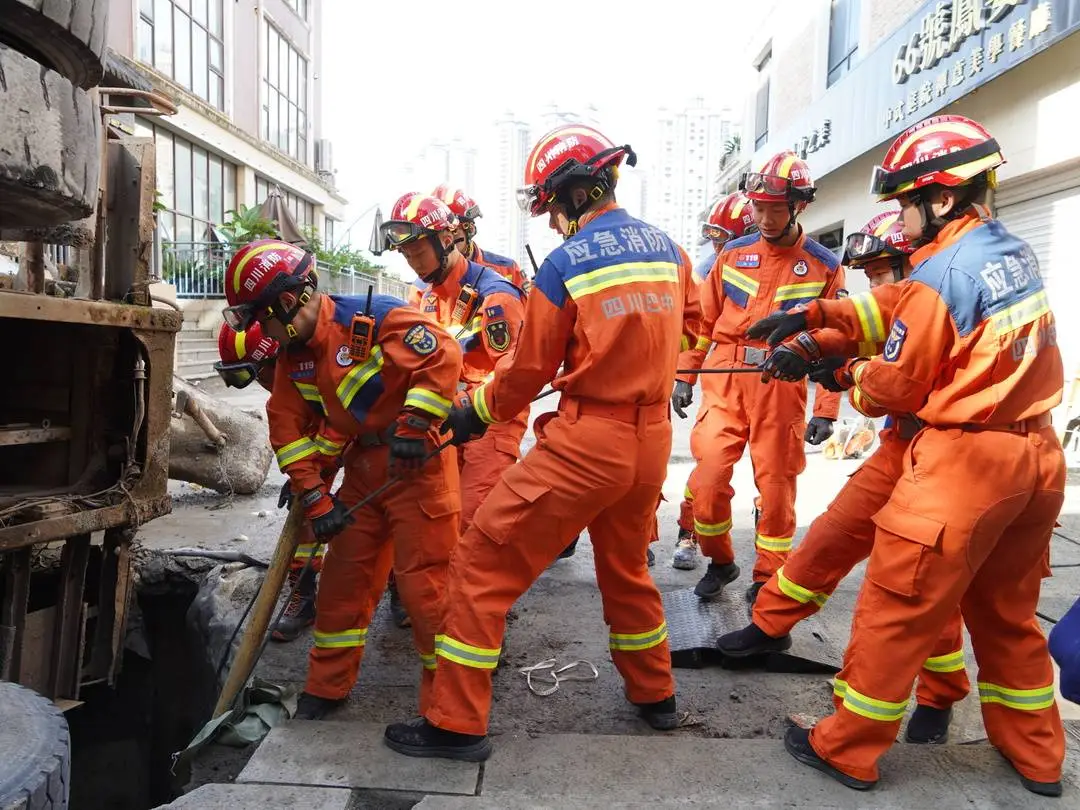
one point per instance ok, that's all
(730, 218)
(972, 352)
(777, 267)
(484, 312)
(384, 376)
(843, 535)
(467, 212)
(608, 306)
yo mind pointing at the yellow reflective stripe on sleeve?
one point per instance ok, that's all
(355, 637)
(953, 662)
(618, 274)
(805, 289)
(740, 280)
(839, 688)
(1021, 314)
(310, 393)
(466, 654)
(703, 343)
(305, 551)
(352, 382)
(712, 529)
(868, 348)
(633, 642)
(884, 711)
(870, 320)
(480, 405)
(778, 544)
(429, 661)
(859, 398)
(1025, 700)
(798, 592)
(427, 401)
(295, 451)
(684, 343)
(328, 447)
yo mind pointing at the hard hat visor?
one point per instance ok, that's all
(397, 232)
(240, 317)
(861, 247)
(716, 233)
(532, 200)
(237, 375)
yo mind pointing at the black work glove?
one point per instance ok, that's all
(408, 443)
(329, 522)
(791, 360)
(778, 327)
(465, 422)
(830, 374)
(818, 430)
(681, 397)
(284, 500)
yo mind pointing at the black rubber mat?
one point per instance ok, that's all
(694, 626)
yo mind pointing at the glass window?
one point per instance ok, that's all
(200, 185)
(229, 186)
(761, 115)
(299, 6)
(285, 96)
(843, 38)
(182, 175)
(183, 39)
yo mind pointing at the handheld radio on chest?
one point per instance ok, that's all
(362, 335)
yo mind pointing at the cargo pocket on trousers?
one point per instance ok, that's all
(796, 453)
(504, 444)
(899, 565)
(509, 503)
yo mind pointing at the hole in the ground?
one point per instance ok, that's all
(123, 738)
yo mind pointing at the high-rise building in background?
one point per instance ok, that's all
(443, 162)
(682, 184)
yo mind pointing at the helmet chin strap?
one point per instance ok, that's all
(442, 254)
(792, 216)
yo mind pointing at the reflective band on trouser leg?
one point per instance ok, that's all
(883, 711)
(305, 551)
(951, 662)
(466, 654)
(780, 545)
(686, 510)
(632, 642)
(356, 637)
(943, 679)
(1025, 700)
(714, 538)
(429, 661)
(798, 592)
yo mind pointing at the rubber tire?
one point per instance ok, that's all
(67, 36)
(35, 751)
(49, 158)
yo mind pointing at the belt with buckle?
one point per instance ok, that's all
(908, 425)
(753, 355)
(1035, 423)
(620, 412)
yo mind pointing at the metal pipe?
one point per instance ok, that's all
(140, 407)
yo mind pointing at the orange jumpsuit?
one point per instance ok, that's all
(486, 333)
(753, 277)
(972, 352)
(608, 304)
(843, 535)
(507, 268)
(413, 367)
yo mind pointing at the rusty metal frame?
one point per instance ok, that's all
(70, 619)
(13, 612)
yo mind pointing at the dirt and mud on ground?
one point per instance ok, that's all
(561, 618)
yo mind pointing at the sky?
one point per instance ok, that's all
(396, 76)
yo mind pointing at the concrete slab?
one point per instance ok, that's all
(262, 797)
(577, 768)
(349, 754)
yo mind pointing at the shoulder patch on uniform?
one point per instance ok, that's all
(748, 260)
(343, 358)
(498, 335)
(895, 341)
(801, 268)
(421, 340)
(494, 312)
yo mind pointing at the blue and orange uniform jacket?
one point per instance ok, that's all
(413, 367)
(613, 304)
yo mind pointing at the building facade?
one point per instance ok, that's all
(838, 81)
(245, 78)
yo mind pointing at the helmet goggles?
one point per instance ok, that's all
(862, 247)
(773, 185)
(237, 375)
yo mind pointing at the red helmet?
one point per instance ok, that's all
(783, 177)
(881, 237)
(415, 216)
(570, 152)
(257, 276)
(948, 150)
(463, 206)
(729, 218)
(244, 354)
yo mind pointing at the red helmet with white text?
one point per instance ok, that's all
(259, 274)
(463, 206)
(244, 354)
(729, 218)
(783, 177)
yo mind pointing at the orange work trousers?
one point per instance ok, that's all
(836, 542)
(594, 466)
(418, 519)
(968, 525)
(772, 418)
(710, 386)
(483, 461)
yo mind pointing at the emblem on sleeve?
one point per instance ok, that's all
(498, 335)
(343, 358)
(895, 341)
(801, 268)
(421, 340)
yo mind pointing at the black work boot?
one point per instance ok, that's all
(928, 726)
(418, 738)
(662, 715)
(397, 610)
(1049, 789)
(650, 558)
(312, 707)
(797, 743)
(570, 549)
(300, 612)
(752, 592)
(749, 641)
(716, 577)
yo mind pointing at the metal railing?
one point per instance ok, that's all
(197, 270)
